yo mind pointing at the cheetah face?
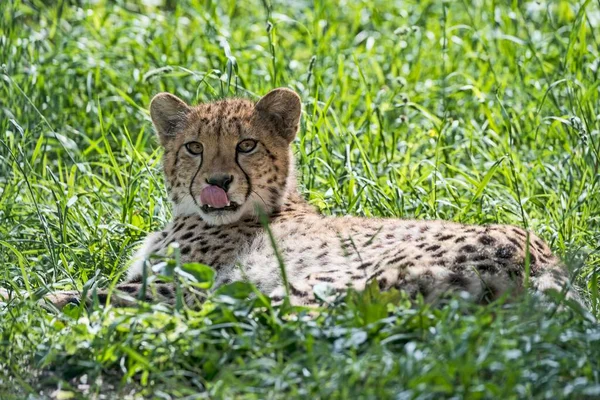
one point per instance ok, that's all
(226, 160)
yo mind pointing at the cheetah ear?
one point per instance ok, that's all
(167, 112)
(281, 106)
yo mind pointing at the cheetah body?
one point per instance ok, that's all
(229, 161)
(419, 257)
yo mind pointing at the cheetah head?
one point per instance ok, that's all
(226, 160)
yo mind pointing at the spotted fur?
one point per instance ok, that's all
(420, 257)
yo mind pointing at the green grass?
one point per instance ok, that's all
(479, 112)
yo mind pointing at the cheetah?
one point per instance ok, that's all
(228, 162)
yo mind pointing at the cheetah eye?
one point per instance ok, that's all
(246, 146)
(194, 148)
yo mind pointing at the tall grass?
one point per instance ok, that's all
(474, 111)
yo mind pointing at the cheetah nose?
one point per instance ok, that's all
(214, 196)
(221, 180)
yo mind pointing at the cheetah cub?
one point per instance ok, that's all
(225, 160)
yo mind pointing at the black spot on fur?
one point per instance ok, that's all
(74, 300)
(486, 240)
(433, 247)
(322, 255)
(487, 268)
(420, 246)
(458, 280)
(446, 237)
(519, 232)
(440, 254)
(382, 283)
(480, 257)
(469, 248)
(186, 250)
(505, 251)
(165, 291)
(128, 288)
(102, 297)
(365, 265)
(376, 274)
(532, 259)
(515, 242)
(187, 236)
(539, 244)
(297, 292)
(461, 259)
(397, 259)
(135, 279)
(460, 239)
(325, 279)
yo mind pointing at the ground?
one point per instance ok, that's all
(477, 112)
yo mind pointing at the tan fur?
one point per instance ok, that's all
(421, 257)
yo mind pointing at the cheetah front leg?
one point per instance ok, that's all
(123, 295)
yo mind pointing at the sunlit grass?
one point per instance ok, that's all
(479, 112)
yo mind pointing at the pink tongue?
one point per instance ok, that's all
(214, 196)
